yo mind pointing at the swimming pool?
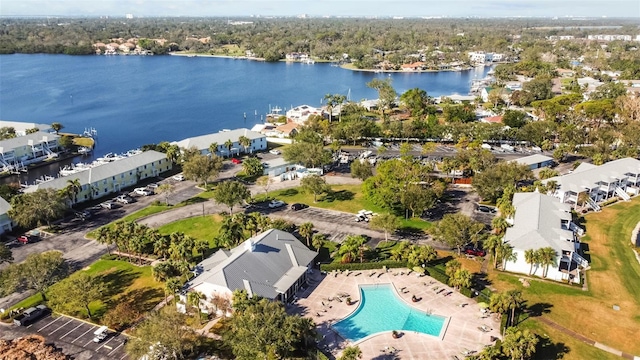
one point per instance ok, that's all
(380, 310)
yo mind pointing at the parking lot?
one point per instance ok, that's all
(76, 337)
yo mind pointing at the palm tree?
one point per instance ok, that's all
(245, 142)
(172, 286)
(530, 257)
(513, 300)
(173, 153)
(318, 241)
(161, 246)
(213, 148)
(228, 144)
(461, 278)
(162, 271)
(306, 231)
(500, 225)
(231, 232)
(507, 254)
(519, 344)
(166, 189)
(193, 298)
(104, 236)
(492, 244)
(57, 127)
(547, 256)
(201, 246)
(73, 188)
(451, 267)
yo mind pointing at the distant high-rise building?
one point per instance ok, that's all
(129, 16)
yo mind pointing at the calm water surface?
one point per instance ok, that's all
(136, 100)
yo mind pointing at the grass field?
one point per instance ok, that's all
(347, 198)
(614, 279)
(199, 227)
(122, 280)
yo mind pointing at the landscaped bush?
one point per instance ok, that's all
(466, 292)
(610, 201)
(437, 274)
(364, 266)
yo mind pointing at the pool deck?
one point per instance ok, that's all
(462, 333)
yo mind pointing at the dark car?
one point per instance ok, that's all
(298, 206)
(486, 209)
(475, 252)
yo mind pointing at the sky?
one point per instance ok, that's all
(382, 8)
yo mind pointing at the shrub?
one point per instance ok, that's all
(437, 274)
(610, 201)
(466, 292)
(390, 264)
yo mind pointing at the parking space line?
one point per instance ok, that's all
(70, 320)
(105, 343)
(71, 330)
(56, 319)
(116, 349)
(88, 342)
(123, 356)
(91, 328)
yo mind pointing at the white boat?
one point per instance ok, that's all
(108, 157)
(84, 150)
(309, 61)
(132, 152)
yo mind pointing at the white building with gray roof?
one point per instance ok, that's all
(535, 161)
(6, 224)
(542, 221)
(27, 149)
(272, 265)
(111, 177)
(22, 127)
(202, 143)
(616, 178)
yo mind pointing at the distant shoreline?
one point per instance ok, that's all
(217, 56)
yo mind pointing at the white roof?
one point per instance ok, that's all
(19, 141)
(533, 159)
(586, 176)
(202, 142)
(537, 223)
(102, 172)
(20, 126)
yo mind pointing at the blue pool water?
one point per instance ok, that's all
(380, 310)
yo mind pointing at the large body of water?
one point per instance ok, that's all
(136, 100)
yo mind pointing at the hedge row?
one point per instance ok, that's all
(390, 264)
(437, 274)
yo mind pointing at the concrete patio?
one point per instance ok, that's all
(462, 333)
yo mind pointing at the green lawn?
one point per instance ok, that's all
(347, 198)
(123, 281)
(149, 210)
(199, 227)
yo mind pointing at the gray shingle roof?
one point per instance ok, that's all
(102, 172)
(263, 261)
(20, 126)
(537, 223)
(202, 142)
(20, 141)
(4, 206)
(587, 175)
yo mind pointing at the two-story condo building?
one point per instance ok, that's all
(6, 224)
(27, 149)
(258, 142)
(21, 128)
(542, 221)
(616, 178)
(111, 177)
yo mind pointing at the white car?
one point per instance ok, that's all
(276, 204)
(124, 199)
(142, 191)
(107, 205)
(178, 177)
(274, 152)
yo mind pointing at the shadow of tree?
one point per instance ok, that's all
(194, 200)
(341, 195)
(538, 309)
(289, 192)
(547, 349)
(116, 281)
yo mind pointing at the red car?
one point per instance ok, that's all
(475, 252)
(236, 161)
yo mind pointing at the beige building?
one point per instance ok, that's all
(111, 177)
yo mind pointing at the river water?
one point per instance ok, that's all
(136, 100)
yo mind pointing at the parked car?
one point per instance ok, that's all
(142, 191)
(107, 205)
(475, 252)
(486, 209)
(124, 199)
(236, 161)
(275, 152)
(83, 215)
(276, 204)
(152, 186)
(100, 334)
(298, 206)
(178, 177)
(30, 315)
(25, 239)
